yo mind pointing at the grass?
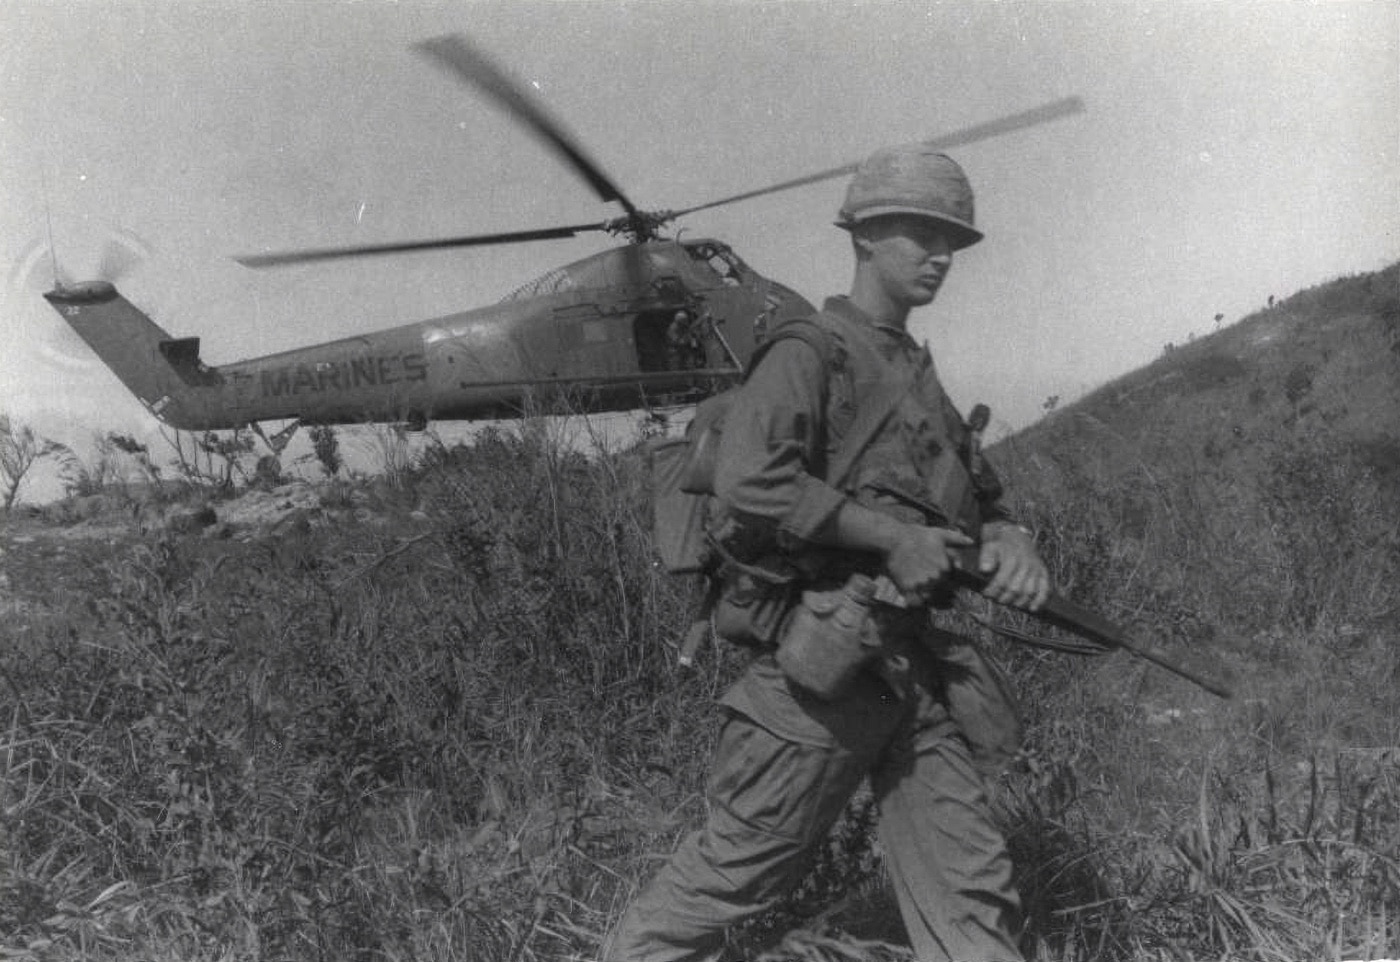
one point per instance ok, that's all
(439, 718)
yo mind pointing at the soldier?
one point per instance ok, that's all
(921, 713)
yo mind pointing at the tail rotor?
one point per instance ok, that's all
(116, 256)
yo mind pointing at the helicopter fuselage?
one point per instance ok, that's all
(658, 323)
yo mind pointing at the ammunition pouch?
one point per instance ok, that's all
(757, 583)
(750, 610)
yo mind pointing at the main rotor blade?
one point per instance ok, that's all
(1053, 110)
(280, 258)
(453, 52)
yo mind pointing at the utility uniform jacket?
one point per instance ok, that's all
(790, 419)
(779, 435)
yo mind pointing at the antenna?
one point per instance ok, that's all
(48, 217)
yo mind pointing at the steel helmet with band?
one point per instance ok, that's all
(912, 179)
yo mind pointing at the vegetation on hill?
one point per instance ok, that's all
(1237, 494)
(437, 716)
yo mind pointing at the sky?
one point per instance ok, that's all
(1228, 151)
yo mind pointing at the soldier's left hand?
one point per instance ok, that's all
(1019, 577)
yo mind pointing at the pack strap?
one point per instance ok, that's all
(871, 416)
(818, 333)
(1072, 646)
(804, 329)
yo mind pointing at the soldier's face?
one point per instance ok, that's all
(911, 255)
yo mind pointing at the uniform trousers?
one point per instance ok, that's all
(774, 797)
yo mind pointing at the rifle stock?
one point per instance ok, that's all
(1200, 669)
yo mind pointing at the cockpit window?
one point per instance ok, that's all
(555, 282)
(589, 274)
(721, 260)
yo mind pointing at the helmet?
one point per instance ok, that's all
(912, 179)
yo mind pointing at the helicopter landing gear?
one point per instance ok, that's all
(277, 442)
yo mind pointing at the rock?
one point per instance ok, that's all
(190, 520)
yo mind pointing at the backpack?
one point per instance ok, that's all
(684, 506)
(683, 469)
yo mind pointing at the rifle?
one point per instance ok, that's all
(1200, 669)
(1210, 674)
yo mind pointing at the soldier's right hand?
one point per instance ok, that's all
(922, 558)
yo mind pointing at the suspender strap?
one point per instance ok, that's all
(871, 415)
(817, 332)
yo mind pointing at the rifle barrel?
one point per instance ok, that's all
(1209, 673)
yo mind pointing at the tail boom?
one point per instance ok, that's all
(160, 370)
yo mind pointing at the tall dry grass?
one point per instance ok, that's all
(354, 739)
(439, 718)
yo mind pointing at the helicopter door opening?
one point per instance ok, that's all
(669, 341)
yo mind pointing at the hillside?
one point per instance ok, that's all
(436, 715)
(1267, 453)
(1324, 362)
(1238, 494)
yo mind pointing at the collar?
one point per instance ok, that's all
(843, 308)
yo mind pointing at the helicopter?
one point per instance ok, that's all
(654, 322)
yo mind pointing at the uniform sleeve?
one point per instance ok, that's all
(772, 440)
